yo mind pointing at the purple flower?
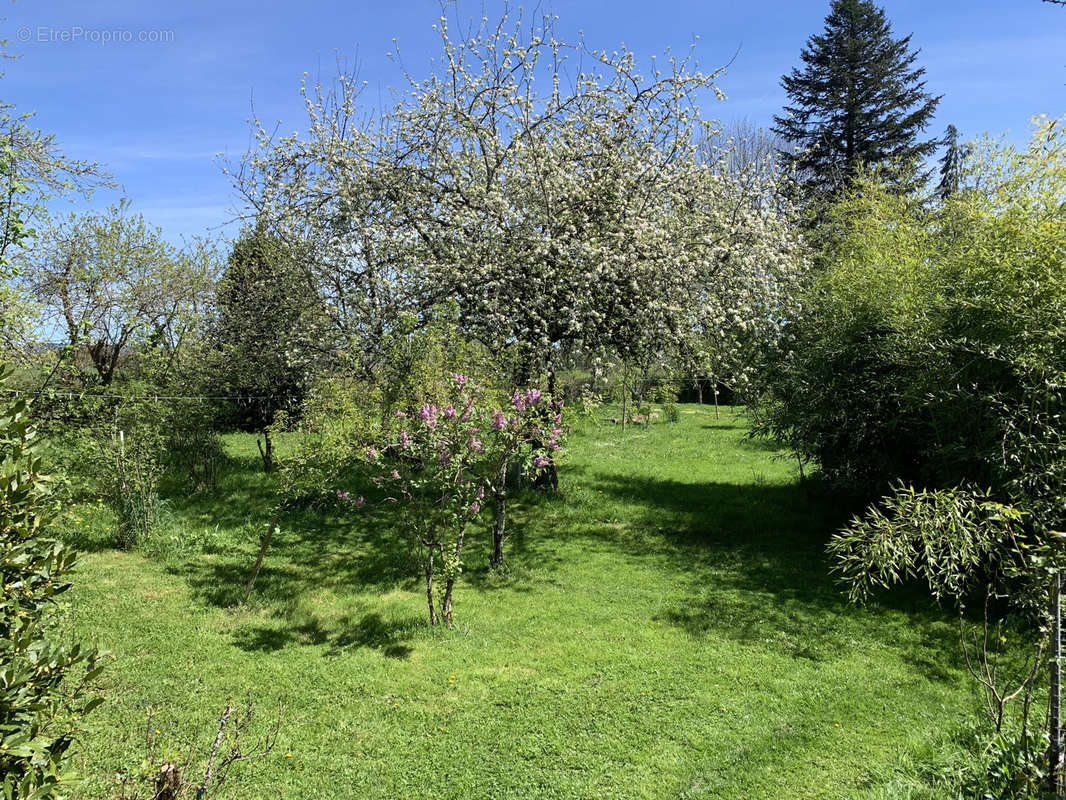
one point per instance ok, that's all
(499, 421)
(372, 454)
(360, 501)
(342, 495)
(481, 493)
(476, 445)
(540, 462)
(395, 475)
(428, 414)
(475, 507)
(467, 413)
(519, 401)
(399, 413)
(460, 380)
(532, 396)
(558, 419)
(449, 412)
(405, 440)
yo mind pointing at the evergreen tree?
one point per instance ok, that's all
(859, 102)
(271, 335)
(951, 164)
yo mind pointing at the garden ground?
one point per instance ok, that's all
(668, 628)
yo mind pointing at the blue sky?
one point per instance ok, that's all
(156, 112)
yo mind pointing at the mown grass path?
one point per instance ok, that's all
(668, 629)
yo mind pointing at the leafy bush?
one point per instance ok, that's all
(666, 394)
(931, 355)
(932, 346)
(440, 464)
(192, 447)
(131, 488)
(116, 447)
(968, 548)
(45, 684)
(945, 538)
(589, 403)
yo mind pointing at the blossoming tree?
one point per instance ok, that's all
(555, 193)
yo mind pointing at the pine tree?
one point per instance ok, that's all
(951, 164)
(859, 102)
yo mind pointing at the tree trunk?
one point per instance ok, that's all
(168, 782)
(446, 605)
(717, 413)
(449, 584)
(268, 453)
(499, 526)
(429, 587)
(625, 394)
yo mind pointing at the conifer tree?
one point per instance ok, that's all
(271, 335)
(951, 164)
(859, 102)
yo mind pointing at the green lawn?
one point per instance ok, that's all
(668, 629)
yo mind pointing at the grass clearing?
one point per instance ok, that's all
(668, 629)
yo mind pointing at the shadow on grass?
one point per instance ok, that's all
(243, 492)
(310, 551)
(751, 562)
(371, 631)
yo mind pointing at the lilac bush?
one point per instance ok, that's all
(440, 463)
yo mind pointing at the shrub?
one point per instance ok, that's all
(199, 770)
(440, 464)
(193, 448)
(127, 463)
(931, 354)
(932, 346)
(132, 489)
(45, 683)
(589, 402)
(666, 394)
(117, 448)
